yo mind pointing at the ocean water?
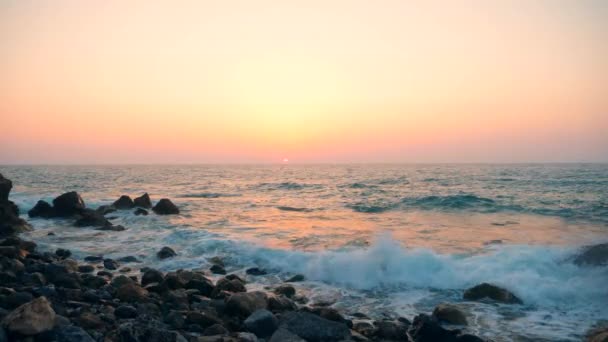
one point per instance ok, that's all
(384, 240)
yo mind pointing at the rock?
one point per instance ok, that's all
(255, 271)
(31, 318)
(217, 269)
(284, 335)
(63, 253)
(125, 311)
(262, 323)
(71, 333)
(596, 255)
(132, 293)
(450, 314)
(216, 261)
(166, 252)
(426, 329)
(151, 276)
(145, 330)
(89, 320)
(143, 201)
(140, 211)
(314, 328)
(244, 304)
(91, 218)
(5, 188)
(93, 258)
(328, 313)
(105, 209)
(127, 259)
(123, 203)
(493, 292)
(68, 204)
(202, 318)
(391, 330)
(121, 280)
(165, 207)
(296, 278)
(598, 335)
(200, 283)
(281, 303)
(112, 227)
(365, 328)
(16, 299)
(234, 285)
(10, 222)
(175, 319)
(215, 330)
(110, 264)
(286, 290)
(42, 209)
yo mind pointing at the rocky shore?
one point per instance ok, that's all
(49, 296)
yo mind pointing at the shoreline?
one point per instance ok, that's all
(91, 299)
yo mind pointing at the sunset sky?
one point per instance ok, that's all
(311, 81)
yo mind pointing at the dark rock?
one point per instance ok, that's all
(216, 261)
(177, 299)
(314, 328)
(140, 211)
(255, 271)
(42, 209)
(143, 201)
(112, 227)
(71, 333)
(31, 318)
(217, 269)
(215, 330)
(10, 222)
(166, 252)
(286, 290)
(131, 293)
(86, 268)
(596, 255)
(450, 314)
(16, 299)
(105, 209)
(125, 311)
(599, 334)
(93, 281)
(243, 304)
(328, 313)
(175, 319)
(284, 335)
(91, 218)
(234, 285)
(296, 278)
(67, 280)
(200, 283)
(5, 188)
(493, 292)
(165, 207)
(391, 330)
(89, 320)
(123, 203)
(110, 264)
(121, 280)
(144, 330)
(94, 258)
(280, 303)
(127, 259)
(68, 204)
(151, 276)
(63, 253)
(262, 323)
(202, 318)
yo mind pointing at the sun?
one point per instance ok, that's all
(285, 160)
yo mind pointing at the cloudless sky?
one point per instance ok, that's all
(312, 81)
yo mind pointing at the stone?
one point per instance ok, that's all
(450, 314)
(286, 290)
(131, 293)
(71, 333)
(596, 255)
(89, 320)
(123, 203)
(166, 252)
(262, 323)
(42, 209)
(391, 329)
(31, 318)
(110, 264)
(94, 258)
(280, 303)
(284, 335)
(202, 318)
(165, 207)
(255, 271)
(151, 276)
(493, 292)
(105, 209)
(112, 227)
(244, 304)
(217, 269)
(127, 259)
(314, 328)
(125, 311)
(140, 211)
(5, 188)
(175, 319)
(234, 285)
(296, 278)
(91, 218)
(86, 268)
(215, 330)
(63, 253)
(143, 201)
(68, 204)
(598, 335)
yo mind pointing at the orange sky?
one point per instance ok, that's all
(313, 81)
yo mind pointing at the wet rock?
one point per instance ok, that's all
(286, 290)
(392, 330)
(296, 278)
(284, 335)
(121, 280)
(151, 276)
(166, 252)
(143, 331)
(5, 188)
(598, 335)
(127, 259)
(280, 303)
(165, 207)
(91, 218)
(262, 323)
(63, 253)
(140, 211)
(226, 284)
(596, 255)
(200, 283)
(10, 222)
(42, 209)
(89, 320)
(110, 264)
(255, 271)
(175, 319)
(450, 314)
(328, 313)
(143, 201)
(489, 291)
(94, 258)
(217, 269)
(314, 328)
(244, 304)
(202, 318)
(125, 311)
(16, 299)
(105, 209)
(112, 227)
(131, 293)
(215, 330)
(365, 328)
(123, 203)
(71, 333)
(68, 204)
(31, 318)
(216, 261)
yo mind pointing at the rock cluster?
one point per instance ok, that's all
(10, 223)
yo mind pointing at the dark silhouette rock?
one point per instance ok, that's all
(596, 255)
(314, 328)
(91, 218)
(262, 323)
(255, 271)
(151, 276)
(10, 222)
(284, 335)
(599, 334)
(450, 314)
(493, 292)
(165, 207)
(31, 318)
(296, 278)
(5, 188)
(105, 209)
(217, 269)
(166, 252)
(230, 285)
(427, 329)
(42, 209)
(140, 211)
(68, 204)
(110, 264)
(143, 201)
(123, 203)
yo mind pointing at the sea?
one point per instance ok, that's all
(382, 240)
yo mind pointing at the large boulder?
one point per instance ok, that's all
(132, 293)
(165, 207)
(284, 335)
(68, 204)
(166, 252)
(10, 222)
(493, 292)
(31, 318)
(262, 323)
(244, 304)
(143, 201)
(598, 335)
(313, 328)
(596, 255)
(91, 218)
(5, 188)
(450, 314)
(42, 209)
(123, 203)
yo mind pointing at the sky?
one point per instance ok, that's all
(85, 82)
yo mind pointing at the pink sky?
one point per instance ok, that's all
(312, 81)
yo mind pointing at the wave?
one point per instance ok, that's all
(287, 186)
(287, 208)
(461, 201)
(208, 195)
